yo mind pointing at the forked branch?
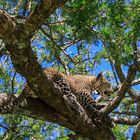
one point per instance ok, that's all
(121, 91)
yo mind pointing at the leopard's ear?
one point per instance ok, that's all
(100, 75)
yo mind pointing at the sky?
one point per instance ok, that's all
(72, 51)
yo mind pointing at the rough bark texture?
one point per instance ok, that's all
(77, 120)
(48, 106)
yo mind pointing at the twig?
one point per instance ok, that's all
(12, 82)
(125, 120)
(56, 45)
(112, 64)
(125, 113)
(113, 69)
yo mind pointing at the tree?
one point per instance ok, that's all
(36, 33)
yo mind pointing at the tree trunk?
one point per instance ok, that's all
(48, 106)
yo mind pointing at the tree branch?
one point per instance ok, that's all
(42, 11)
(122, 78)
(121, 91)
(119, 72)
(50, 105)
(113, 70)
(125, 120)
(6, 24)
(136, 82)
(125, 113)
(2, 49)
(37, 108)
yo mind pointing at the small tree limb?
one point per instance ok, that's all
(125, 120)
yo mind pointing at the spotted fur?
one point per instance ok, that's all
(78, 87)
(81, 86)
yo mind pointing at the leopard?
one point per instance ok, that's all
(79, 87)
(82, 87)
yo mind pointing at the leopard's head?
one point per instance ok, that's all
(102, 86)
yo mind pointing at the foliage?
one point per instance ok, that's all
(75, 38)
(120, 132)
(15, 127)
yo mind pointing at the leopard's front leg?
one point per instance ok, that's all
(86, 100)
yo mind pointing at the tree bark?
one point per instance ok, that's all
(76, 120)
(48, 106)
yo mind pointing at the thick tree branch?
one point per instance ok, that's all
(122, 78)
(25, 62)
(37, 108)
(121, 91)
(6, 24)
(138, 65)
(41, 12)
(23, 57)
